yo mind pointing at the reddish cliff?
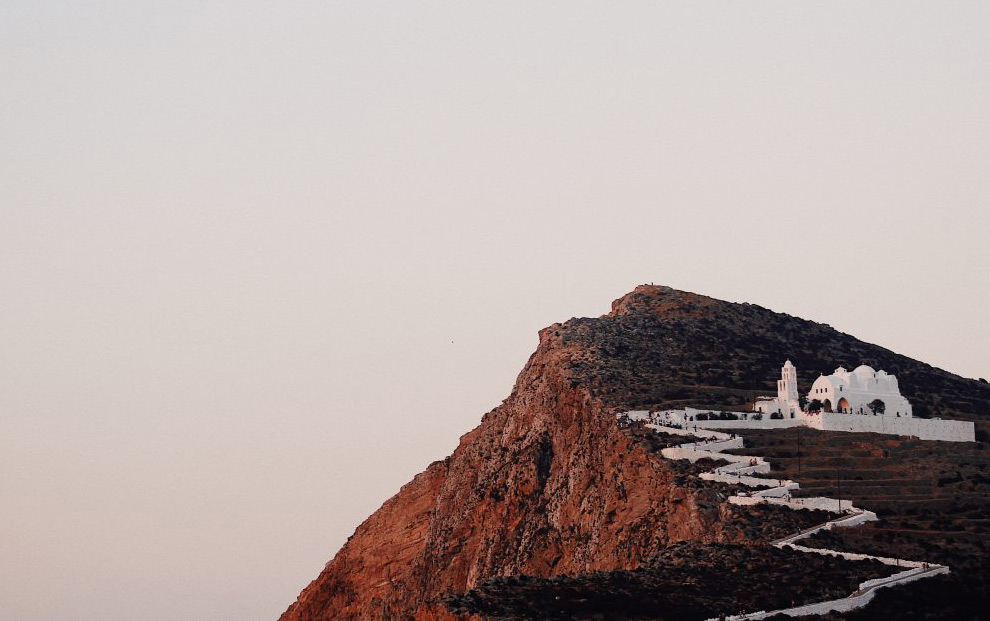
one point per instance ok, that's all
(546, 485)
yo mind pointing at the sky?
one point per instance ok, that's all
(262, 262)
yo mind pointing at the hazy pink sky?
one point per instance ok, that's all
(260, 263)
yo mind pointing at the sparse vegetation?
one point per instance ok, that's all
(686, 581)
(931, 498)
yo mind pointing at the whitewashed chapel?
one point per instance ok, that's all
(858, 400)
(862, 391)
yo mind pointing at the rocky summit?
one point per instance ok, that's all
(551, 490)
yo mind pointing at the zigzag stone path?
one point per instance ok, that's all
(710, 444)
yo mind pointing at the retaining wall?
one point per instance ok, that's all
(781, 423)
(923, 428)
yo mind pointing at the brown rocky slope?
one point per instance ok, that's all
(549, 485)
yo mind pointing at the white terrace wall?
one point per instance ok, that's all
(745, 420)
(923, 428)
(766, 423)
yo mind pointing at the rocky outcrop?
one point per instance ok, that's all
(549, 485)
(376, 557)
(546, 485)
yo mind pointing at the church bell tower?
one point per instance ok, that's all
(787, 390)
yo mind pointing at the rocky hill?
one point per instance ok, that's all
(549, 485)
(662, 347)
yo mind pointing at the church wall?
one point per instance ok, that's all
(923, 428)
(769, 407)
(859, 400)
(858, 397)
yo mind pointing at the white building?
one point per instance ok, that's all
(786, 403)
(852, 392)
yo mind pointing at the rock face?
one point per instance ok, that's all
(549, 485)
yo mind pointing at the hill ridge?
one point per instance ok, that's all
(548, 485)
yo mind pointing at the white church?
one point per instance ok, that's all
(862, 391)
(862, 400)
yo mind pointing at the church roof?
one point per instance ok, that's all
(866, 370)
